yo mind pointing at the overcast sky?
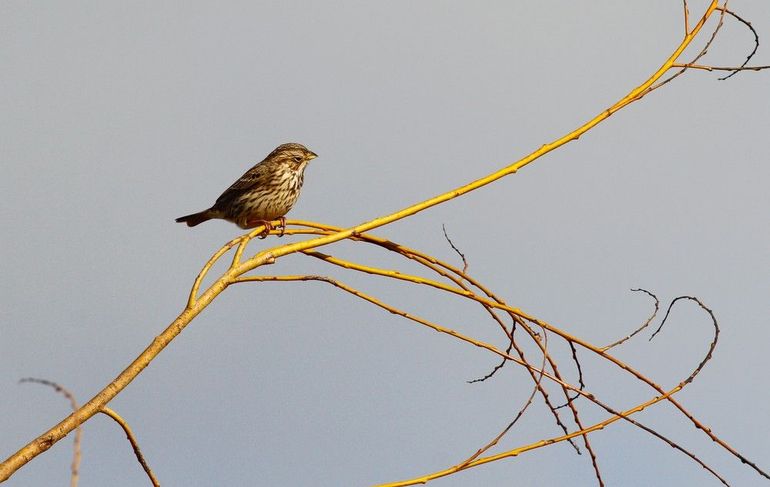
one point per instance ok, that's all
(117, 117)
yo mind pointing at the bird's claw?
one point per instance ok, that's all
(269, 227)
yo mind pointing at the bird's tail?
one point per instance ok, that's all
(196, 218)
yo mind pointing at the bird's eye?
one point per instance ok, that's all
(298, 158)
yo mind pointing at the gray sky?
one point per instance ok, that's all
(118, 117)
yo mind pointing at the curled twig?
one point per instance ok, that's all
(753, 51)
(76, 450)
(643, 326)
(495, 369)
(713, 344)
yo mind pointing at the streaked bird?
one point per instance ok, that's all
(264, 193)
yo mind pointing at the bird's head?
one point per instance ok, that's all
(295, 155)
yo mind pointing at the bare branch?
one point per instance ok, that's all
(753, 51)
(134, 444)
(643, 326)
(76, 450)
(451, 244)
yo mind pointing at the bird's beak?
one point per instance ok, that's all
(311, 155)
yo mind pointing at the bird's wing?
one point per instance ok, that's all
(258, 175)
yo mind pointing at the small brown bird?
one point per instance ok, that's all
(265, 192)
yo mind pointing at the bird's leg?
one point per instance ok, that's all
(282, 225)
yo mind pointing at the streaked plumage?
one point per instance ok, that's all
(265, 192)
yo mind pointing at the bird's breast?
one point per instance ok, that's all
(291, 181)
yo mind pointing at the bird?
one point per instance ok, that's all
(264, 193)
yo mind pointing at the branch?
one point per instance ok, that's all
(742, 67)
(643, 326)
(134, 444)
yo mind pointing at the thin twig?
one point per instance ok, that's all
(756, 43)
(499, 366)
(720, 68)
(494, 370)
(686, 18)
(76, 450)
(519, 414)
(582, 385)
(451, 244)
(644, 325)
(134, 444)
(193, 298)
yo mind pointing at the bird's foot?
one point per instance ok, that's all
(255, 223)
(268, 226)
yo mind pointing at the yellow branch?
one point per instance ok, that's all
(134, 443)
(635, 94)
